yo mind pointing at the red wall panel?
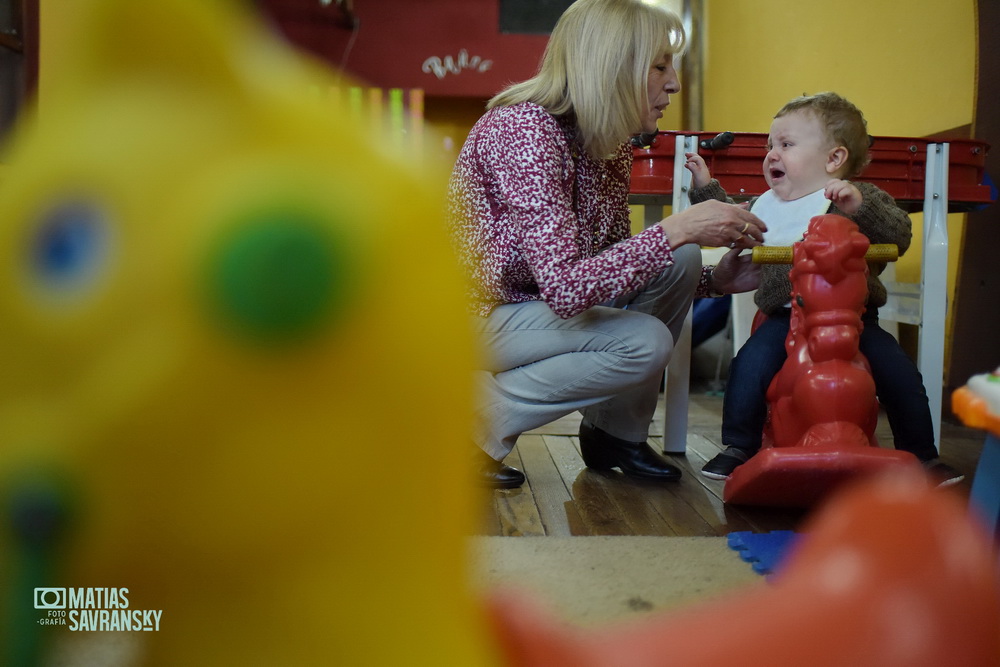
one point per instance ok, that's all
(446, 47)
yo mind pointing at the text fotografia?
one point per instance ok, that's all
(94, 610)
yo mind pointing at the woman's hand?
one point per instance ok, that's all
(735, 273)
(714, 224)
(700, 175)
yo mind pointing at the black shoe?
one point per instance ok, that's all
(495, 474)
(942, 475)
(723, 465)
(603, 451)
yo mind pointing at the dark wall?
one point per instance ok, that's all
(18, 58)
(531, 16)
(976, 310)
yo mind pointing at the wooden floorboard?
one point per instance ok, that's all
(516, 508)
(563, 497)
(547, 486)
(567, 461)
(702, 495)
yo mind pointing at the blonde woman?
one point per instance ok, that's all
(573, 311)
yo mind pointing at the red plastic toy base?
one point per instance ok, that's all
(802, 476)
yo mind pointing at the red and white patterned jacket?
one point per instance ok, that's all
(537, 219)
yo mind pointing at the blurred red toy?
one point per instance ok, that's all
(892, 574)
(823, 411)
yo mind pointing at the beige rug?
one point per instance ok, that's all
(594, 580)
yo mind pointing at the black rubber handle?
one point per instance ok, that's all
(717, 142)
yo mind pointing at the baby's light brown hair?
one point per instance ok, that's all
(845, 126)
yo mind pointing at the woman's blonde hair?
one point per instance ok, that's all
(596, 67)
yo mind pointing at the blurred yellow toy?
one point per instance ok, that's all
(235, 374)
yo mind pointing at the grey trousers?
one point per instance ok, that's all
(605, 362)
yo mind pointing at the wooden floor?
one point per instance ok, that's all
(562, 497)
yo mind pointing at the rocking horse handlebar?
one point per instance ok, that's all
(878, 252)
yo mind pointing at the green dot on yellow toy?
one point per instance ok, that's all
(277, 276)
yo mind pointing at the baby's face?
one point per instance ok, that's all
(796, 163)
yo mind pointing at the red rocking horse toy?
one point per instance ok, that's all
(822, 407)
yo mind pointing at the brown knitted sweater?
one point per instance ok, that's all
(878, 218)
